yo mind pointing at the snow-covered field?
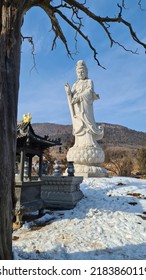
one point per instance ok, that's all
(109, 223)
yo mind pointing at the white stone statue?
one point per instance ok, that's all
(85, 153)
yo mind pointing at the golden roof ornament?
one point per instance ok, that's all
(26, 118)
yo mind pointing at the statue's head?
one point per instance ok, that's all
(81, 67)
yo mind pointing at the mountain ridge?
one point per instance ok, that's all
(114, 134)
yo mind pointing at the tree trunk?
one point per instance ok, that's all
(10, 42)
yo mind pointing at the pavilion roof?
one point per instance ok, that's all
(27, 138)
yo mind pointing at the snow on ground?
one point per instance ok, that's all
(109, 223)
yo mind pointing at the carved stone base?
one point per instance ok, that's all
(90, 171)
(51, 192)
(61, 192)
(87, 161)
(86, 155)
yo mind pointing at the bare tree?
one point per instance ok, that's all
(141, 160)
(11, 17)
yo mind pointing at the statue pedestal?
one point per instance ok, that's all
(87, 161)
(88, 171)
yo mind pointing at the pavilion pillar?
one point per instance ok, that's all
(40, 167)
(22, 157)
(29, 168)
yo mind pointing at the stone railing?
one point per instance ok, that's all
(50, 192)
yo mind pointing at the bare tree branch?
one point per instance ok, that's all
(123, 4)
(121, 9)
(102, 20)
(82, 34)
(30, 40)
(56, 27)
(76, 22)
(140, 5)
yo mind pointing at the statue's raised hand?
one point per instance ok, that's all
(67, 88)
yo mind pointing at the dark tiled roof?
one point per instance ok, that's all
(22, 129)
(27, 136)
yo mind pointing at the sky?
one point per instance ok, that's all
(108, 223)
(122, 86)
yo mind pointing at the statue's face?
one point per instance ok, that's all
(81, 73)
